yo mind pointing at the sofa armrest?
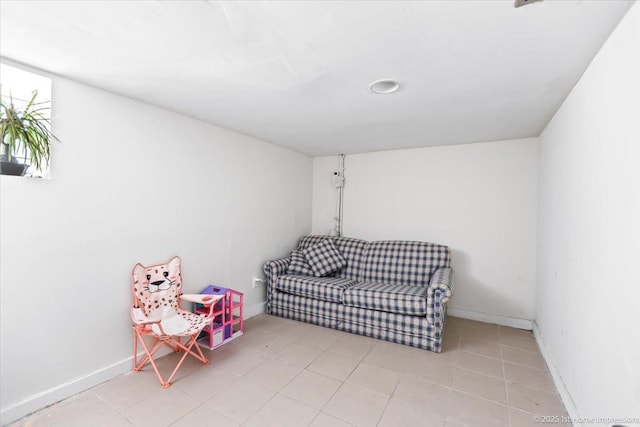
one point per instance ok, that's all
(273, 269)
(438, 293)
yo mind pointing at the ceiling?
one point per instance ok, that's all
(296, 73)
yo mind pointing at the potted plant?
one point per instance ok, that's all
(25, 136)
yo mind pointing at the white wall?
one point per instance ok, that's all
(130, 182)
(479, 199)
(588, 288)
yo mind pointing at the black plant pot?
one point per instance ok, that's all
(11, 168)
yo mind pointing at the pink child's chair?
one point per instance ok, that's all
(157, 312)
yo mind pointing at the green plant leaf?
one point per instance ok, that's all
(27, 130)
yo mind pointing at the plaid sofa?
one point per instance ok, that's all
(391, 290)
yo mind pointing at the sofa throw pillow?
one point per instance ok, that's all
(324, 258)
(299, 264)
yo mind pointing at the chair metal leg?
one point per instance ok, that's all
(172, 343)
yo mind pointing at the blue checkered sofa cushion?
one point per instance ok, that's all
(321, 288)
(352, 250)
(299, 264)
(324, 258)
(392, 298)
(403, 262)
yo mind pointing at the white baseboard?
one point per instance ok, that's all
(513, 322)
(569, 404)
(63, 391)
(75, 386)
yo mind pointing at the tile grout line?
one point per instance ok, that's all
(278, 392)
(394, 387)
(191, 411)
(450, 398)
(113, 407)
(345, 382)
(474, 395)
(325, 376)
(506, 388)
(452, 388)
(321, 410)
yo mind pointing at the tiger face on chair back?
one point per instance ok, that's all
(157, 287)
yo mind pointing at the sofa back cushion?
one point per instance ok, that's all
(308, 241)
(403, 262)
(353, 251)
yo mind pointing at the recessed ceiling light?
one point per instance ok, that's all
(384, 86)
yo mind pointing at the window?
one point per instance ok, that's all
(18, 86)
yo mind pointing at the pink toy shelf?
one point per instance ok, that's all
(227, 323)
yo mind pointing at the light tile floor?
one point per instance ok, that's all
(287, 373)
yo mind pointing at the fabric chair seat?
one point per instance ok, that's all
(181, 324)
